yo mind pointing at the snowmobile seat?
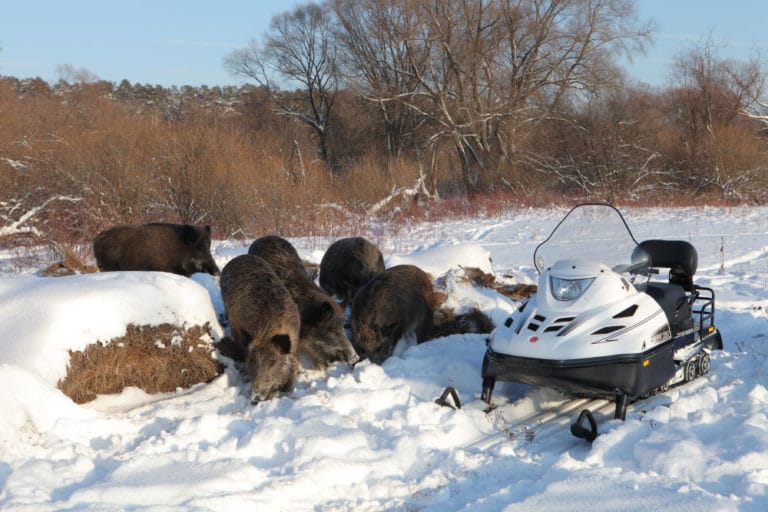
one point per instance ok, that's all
(678, 256)
(673, 301)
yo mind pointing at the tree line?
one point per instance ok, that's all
(368, 107)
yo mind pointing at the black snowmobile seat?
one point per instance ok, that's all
(673, 301)
(678, 256)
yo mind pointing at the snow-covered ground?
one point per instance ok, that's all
(371, 437)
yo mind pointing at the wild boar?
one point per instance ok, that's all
(322, 337)
(178, 248)
(395, 304)
(347, 265)
(264, 323)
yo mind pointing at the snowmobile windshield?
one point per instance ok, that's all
(596, 233)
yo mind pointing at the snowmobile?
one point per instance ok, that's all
(600, 323)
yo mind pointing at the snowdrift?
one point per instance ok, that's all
(45, 319)
(371, 437)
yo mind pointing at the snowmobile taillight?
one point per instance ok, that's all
(568, 289)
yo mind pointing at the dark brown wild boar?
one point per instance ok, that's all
(264, 322)
(347, 265)
(322, 338)
(178, 248)
(395, 304)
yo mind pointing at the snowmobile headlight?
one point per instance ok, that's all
(568, 289)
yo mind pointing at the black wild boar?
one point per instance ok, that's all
(178, 248)
(264, 322)
(395, 304)
(322, 338)
(347, 265)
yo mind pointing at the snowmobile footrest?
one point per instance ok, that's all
(585, 427)
(443, 400)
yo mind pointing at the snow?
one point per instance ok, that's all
(371, 437)
(44, 318)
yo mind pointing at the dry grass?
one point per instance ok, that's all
(70, 264)
(481, 279)
(15, 240)
(516, 291)
(75, 161)
(154, 358)
(447, 322)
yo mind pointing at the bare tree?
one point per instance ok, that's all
(375, 62)
(477, 70)
(608, 148)
(68, 73)
(715, 91)
(298, 50)
(706, 104)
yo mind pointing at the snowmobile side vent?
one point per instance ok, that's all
(533, 327)
(557, 324)
(609, 329)
(630, 311)
(569, 327)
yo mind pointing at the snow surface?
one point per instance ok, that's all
(371, 437)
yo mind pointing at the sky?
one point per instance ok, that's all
(184, 42)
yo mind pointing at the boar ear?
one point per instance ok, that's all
(189, 234)
(319, 313)
(208, 229)
(282, 342)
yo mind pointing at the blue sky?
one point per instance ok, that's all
(183, 42)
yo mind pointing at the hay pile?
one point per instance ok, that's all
(471, 320)
(70, 264)
(155, 359)
(447, 322)
(480, 279)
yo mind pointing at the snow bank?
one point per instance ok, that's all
(439, 258)
(371, 438)
(43, 319)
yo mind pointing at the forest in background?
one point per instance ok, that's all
(361, 110)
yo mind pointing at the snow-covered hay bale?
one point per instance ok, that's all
(447, 322)
(82, 329)
(439, 258)
(155, 359)
(473, 300)
(480, 279)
